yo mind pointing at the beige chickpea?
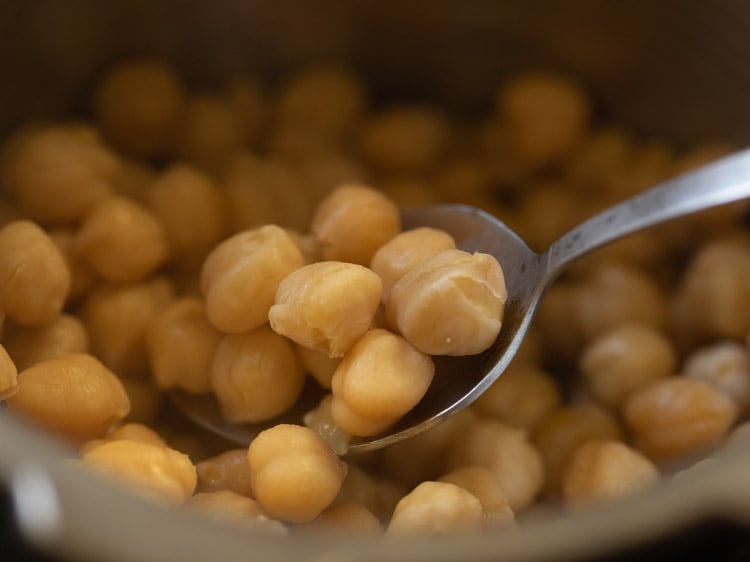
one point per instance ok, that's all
(256, 375)
(74, 396)
(146, 400)
(294, 474)
(58, 173)
(359, 488)
(36, 279)
(436, 509)
(406, 250)
(379, 379)
(522, 396)
(241, 275)
(546, 115)
(347, 518)
(307, 245)
(139, 105)
(624, 359)
(320, 420)
(677, 417)
(229, 470)
(450, 304)
(226, 505)
(134, 180)
(353, 222)
(326, 306)
(153, 470)
(191, 209)
(405, 139)
(181, 343)
(65, 334)
(508, 453)
(132, 431)
(564, 430)
(122, 240)
(322, 172)
(725, 366)
(483, 484)
(604, 153)
(318, 364)
(116, 318)
(82, 277)
(605, 470)
(8, 375)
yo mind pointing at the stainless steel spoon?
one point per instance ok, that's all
(461, 380)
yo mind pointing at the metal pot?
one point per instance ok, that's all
(665, 68)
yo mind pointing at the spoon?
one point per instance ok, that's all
(459, 381)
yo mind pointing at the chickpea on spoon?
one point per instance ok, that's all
(460, 380)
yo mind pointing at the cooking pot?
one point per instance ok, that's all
(667, 69)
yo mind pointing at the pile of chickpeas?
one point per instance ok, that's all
(245, 243)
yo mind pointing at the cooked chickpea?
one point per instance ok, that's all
(74, 396)
(508, 453)
(229, 470)
(58, 173)
(181, 343)
(359, 488)
(353, 222)
(564, 430)
(482, 483)
(294, 474)
(725, 366)
(624, 359)
(603, 154)
(82, 277)
(379, 379)
(139, 105)
(154, 470)
(247, 101)
(318, 364)
(136, 432)
(226, 505)
(36, 279)
(435, 509)
(65, 334)
(256, 375)
(677, 417)
(116, 318)
(8, 375)
(146, 400)
(191, 210)
(320, 420)
(326, 306)
(349, 518)
(122, 240)
(406, 250)
(450, 304)
(241, 275)
(605, 470)
(522, 396)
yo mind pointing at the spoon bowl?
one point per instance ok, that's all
(459, 381)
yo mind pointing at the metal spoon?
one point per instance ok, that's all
(461, 380)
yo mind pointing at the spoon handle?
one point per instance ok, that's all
(725, 181)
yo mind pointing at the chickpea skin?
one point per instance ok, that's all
(450, 304)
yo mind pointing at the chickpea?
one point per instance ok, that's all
(603, 154)
(624, 359)
(181, 343)
(82, 277)
(379, 379)
(155, 471)
(58, 173)
(8, 375)
(139, 105)
(349, 518)
(247, 101)
(359, 488)
(677, 417)
(326, 306)
(145, 400)
(563, 431)
(435, 509)
(508, 453)
(191, 209)
(725, 366)
(323, 172)
(122, 241)
(134, 180)
(522, 396)
(226, 505)
(318, 364)
(353, 222)
(405, 251)
(320, 420)
(116, 318)
(546, 116)
(241, 275)
(604, 470)
(482, 483)
(409, 192)
(256, 376)
(74, 396)
(226, 471)
(450, 304)
(28, 346)
(36, 279)
(136, 432)
(294, 474)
